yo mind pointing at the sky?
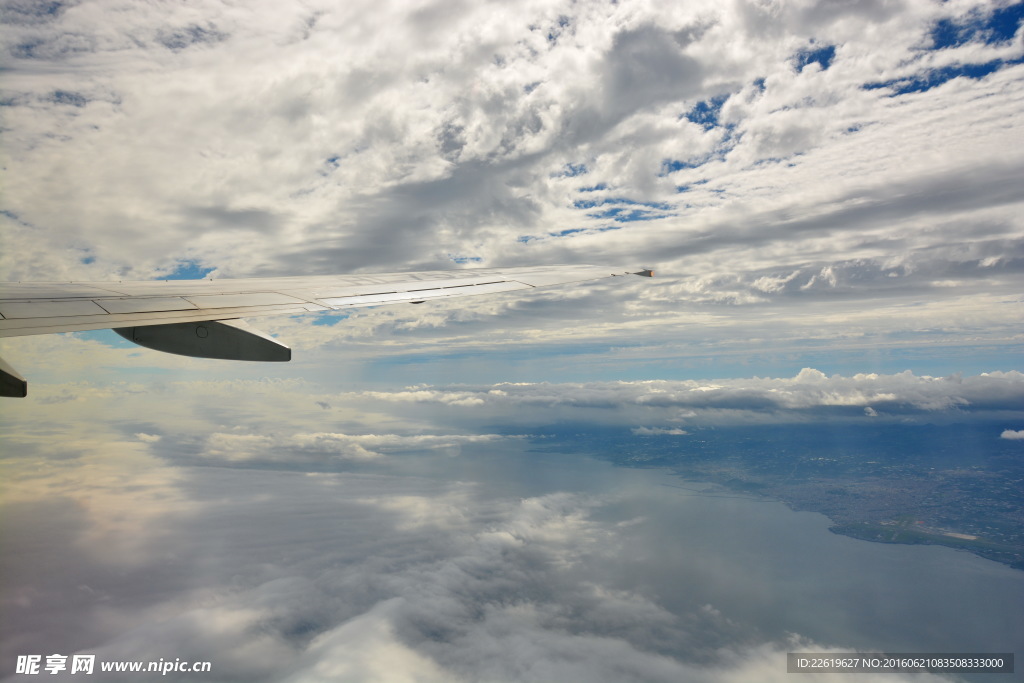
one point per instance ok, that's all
(830, 196)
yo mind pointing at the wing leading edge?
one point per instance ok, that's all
(170, 315)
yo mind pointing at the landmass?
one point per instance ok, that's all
(954, 485)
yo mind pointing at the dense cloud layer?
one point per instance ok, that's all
(285, 558)
(759, 151)
(800, 172)
(288, 534)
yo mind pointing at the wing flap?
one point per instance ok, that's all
(243, 300)
(14, 310)
(147, 304)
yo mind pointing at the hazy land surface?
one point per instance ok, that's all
(954, 485)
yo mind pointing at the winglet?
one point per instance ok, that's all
(646, 272)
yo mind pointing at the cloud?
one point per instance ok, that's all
(1012, 435)
(652, 431)
(309, 577)
(798, 187)
(130, 506)
(321, 446)
(809, 393)
(380, 159)
(283, 540)
(366, 648)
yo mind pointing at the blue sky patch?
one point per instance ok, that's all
(32, 10)
(465, 259)
(936, 77)
(594, 188)
(621, 214)
(705, 113)
(997, 27)
(323, 319)
(726, 145)
(107, 338)
(526, 239)
(673, 165)
(188, 270)
(188, 36)
(687, 188)
(331, 164)
(573, 231)
(822, 56)
(555, 33)
(71, 99)
(571, 171)
(623, 210)
(590, 204)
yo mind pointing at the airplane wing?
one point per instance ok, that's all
(200, 317)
